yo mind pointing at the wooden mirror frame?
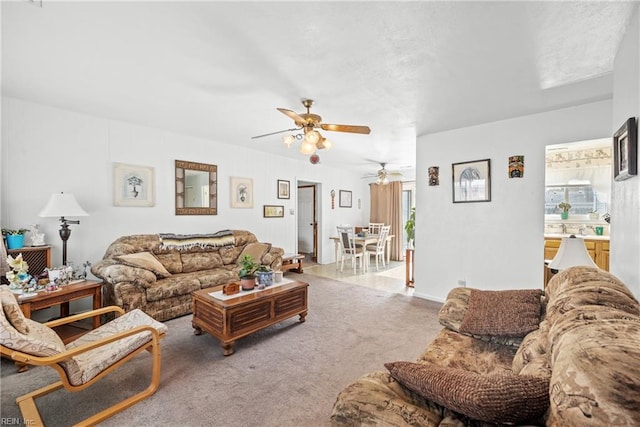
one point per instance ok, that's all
(181, 166)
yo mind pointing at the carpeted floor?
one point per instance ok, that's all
(286, 375)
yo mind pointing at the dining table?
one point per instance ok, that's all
(369, 239)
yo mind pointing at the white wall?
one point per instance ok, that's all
(625, 221)
(497, 244)
(47, 150)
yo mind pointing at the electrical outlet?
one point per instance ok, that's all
(462, 283)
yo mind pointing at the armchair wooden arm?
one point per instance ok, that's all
(85, 315)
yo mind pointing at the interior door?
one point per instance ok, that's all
(306, 219)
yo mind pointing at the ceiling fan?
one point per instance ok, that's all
(307, 123)
(384, 175)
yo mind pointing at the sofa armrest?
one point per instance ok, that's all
(273, 258)
(113, 272)
(378, 399)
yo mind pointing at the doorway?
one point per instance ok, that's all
(308, 220)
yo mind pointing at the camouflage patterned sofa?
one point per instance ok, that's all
(580, 366)
(157, 273)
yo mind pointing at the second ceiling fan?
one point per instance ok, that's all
(307, 123)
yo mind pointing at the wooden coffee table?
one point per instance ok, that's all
(246, 313)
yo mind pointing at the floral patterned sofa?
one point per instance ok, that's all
(158, 272)
(579, 365)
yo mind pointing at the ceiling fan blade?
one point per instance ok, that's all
(346, 128)
(275, 133)
(293, 115)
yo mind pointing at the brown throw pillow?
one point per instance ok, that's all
(144, 260)
(12, 310)
(256, 250)
(512, 313)
(500, 397)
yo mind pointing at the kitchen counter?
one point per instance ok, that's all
(586, 237)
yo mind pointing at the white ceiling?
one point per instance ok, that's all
(218, 70)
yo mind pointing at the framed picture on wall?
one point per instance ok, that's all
(471, 181)
(133, 185)
(345, 199)
(625, 151)
(273, 211)
(283, 189)
(241, 192)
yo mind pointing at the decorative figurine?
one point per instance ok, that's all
(37, 237)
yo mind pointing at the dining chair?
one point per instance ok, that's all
(378, 249)
(349, 248)
(374, 227)
(84, 361)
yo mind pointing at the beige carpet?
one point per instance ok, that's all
(286, 375)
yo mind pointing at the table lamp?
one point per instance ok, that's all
(62, 205)
(572, 252)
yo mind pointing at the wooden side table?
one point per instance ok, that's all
(62, 297)
(292, 262)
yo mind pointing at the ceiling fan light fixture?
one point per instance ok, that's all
(288, 140)
(324, 143)
(307, 148)
(312, 137)
(382, 180)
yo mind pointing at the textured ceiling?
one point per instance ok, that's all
(218, 70)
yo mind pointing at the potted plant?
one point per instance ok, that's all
(564, 207)
(247, 271)
(265, 275)
(410, 228)
(15, 238)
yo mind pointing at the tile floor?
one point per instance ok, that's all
(390, 278)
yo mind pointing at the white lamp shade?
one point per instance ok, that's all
(307, 148)
(288, 139)
(572, 252)
(61, 205)
(312, 137)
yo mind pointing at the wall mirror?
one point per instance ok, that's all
(196, 188)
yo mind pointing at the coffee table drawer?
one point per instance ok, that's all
(249, 316)
(292, 302)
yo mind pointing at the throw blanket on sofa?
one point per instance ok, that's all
(187, 241)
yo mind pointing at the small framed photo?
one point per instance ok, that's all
(241, 192)
(283, 189)
(471, 181)
(273, 211)
(345, 199)
(625, 151)
(133, 185)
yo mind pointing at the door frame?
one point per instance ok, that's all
(317, 217)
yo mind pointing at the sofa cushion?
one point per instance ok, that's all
(12, 310)
(171, 261)
(500, 397)
(146, 261)
(256, 250)
(456, 350)
(178, 284)
(512, 313)
(40, 341)
(199, 261)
